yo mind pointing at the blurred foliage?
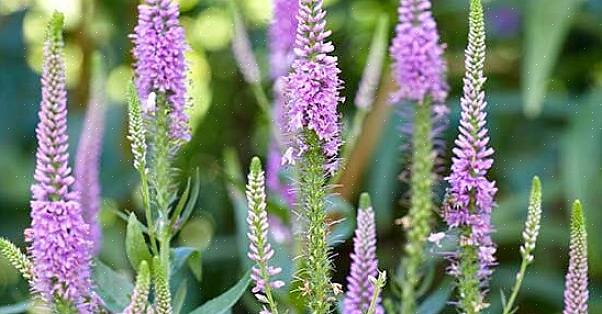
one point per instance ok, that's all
(530, 51)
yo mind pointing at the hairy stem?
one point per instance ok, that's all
(316, 265)
(421, 208)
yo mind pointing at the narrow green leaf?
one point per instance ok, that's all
(546, 28)
(195, 264)
(180, 297)
(223, 303)
(135, 245)
(112, 287)
(17, 308)
(180, 257)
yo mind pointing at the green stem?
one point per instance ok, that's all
(262, 99)
(316, 265)
(421, 208)
(471, 301)
(148, 211)
(517, 284)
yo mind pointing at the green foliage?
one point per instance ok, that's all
(226, 301)
(135, 245)
(112, 287)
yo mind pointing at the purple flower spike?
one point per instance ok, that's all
(576, 293)
(313, 87)
(60, 250)
(59, 237)
(364, 263)
(87, 167)
(282, 36)
(470, 197)
(418, 65)
(159, 47)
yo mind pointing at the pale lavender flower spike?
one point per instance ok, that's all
(576, 292)
(418, 65)
(159, 48)
(58, 236)
(282, 36)
(313, 87)
(364, 263)
(470, 197)
(87, 162)
(243, 51)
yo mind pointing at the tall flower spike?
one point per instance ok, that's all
(243, 51)
(162, 293)
(139, 298)
(373, 68)
(418, 65)
(470, 196)
(59, 237)
(575, 292)
(312, 89)
(282, 36)
(160, 67)
(136, 131)
(16, 258)
(260, 249)
(87, 161)
(364, 264)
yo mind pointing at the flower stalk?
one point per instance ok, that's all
(530, 234)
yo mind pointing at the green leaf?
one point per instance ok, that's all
(195, 264)
(341, 211)
(135, 245)
(113, 288)
(223, 303)
(17, 308)
(180, 297)
(546, 28)
(437, 300)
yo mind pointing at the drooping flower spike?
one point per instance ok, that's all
(87, 160)
(576, 292)
(58, 236)
(470, 196)
(260, 249)
(160, 66)
(364, 266)
(312, 90)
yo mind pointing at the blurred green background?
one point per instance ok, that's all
(544, 89)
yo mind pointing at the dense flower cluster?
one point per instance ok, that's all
(60, 246)
(159, 48)
(418, 64)
(364, 264)
(575, 292)
(470, 198)
(313, 87)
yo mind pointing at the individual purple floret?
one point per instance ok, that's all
(159, 48)
(418, 65)
(87, 169)
(313, 87)
(58, 236)
(364, 263)
(470, 196)
(282, 36)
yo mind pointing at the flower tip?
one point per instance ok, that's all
(55, 26)
(577, 217)
(144, 269)
(365, 201)
(536, 184)
(255, 164)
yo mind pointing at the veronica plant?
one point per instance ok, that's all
(419, 70)
(576, 292)
(362, 287)
(470, 196)
(312, 95)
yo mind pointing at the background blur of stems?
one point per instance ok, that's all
(544, 89)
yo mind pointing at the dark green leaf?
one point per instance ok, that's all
(180, 297)
(437, 300)
(223, 303)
